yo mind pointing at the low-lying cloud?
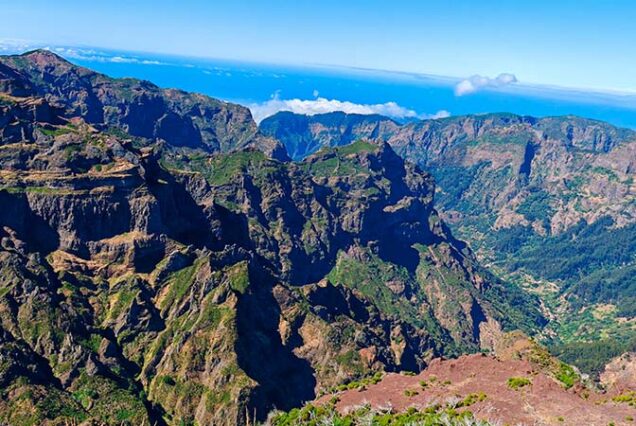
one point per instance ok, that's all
(320, 105)
(442, 113)
(478, 82)
(19, 46)
(97, 56)
(14, 45)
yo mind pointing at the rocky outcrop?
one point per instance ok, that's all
(619, 374)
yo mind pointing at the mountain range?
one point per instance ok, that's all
(549, 203)
(163, 261)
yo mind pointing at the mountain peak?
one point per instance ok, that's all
(143, 109)
(44, 55)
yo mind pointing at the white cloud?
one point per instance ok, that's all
(439, 114)
(322, 105)
(20, 46)
(95, 56)
(15, 45)
(478, 82)
(121, 60)
(316, 93)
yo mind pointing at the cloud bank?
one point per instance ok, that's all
(323, 105)
(478, 82)
(19, 46)
(97, 56)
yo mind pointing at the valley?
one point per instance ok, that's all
(166, 261)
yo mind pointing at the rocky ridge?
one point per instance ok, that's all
(138, 108)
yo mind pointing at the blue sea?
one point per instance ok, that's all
(252, 84)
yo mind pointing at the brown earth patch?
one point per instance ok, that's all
(543, 402)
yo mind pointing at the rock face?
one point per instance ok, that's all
(532, 194)
(150, 277)
(619, 374)
(303, 135)
(507, 157)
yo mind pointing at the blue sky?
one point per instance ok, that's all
(584, 43)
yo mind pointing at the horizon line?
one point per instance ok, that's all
(21, 46)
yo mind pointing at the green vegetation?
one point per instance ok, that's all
(106, 402)
(93, 342)
(471, 399)
(611, 175)
(180, 282)
(537, 206)
(44, 190)
(455, 181)
(435, 415)
(594, 261)
(337, 161)
(516, 138)
(591, 357)
(358, 384)
(410, 393)
(122, 301)
(239, 277)
(33, 405)
(541, 358)
(566, 375)
(517, 383)
(42, 323)
(224, 168)
(598, 244)
(58, 131)
(626, 398)
(6, 100)
(357, 147)
(352, 363)
(371, 277)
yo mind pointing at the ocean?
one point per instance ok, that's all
(272, 87)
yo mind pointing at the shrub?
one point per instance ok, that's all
(471, 399)
(567, 375)
(517, 383)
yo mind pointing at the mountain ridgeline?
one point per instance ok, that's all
(547, 202)
(135, 107)
(162, 263)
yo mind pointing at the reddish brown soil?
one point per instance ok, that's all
(544, 402)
